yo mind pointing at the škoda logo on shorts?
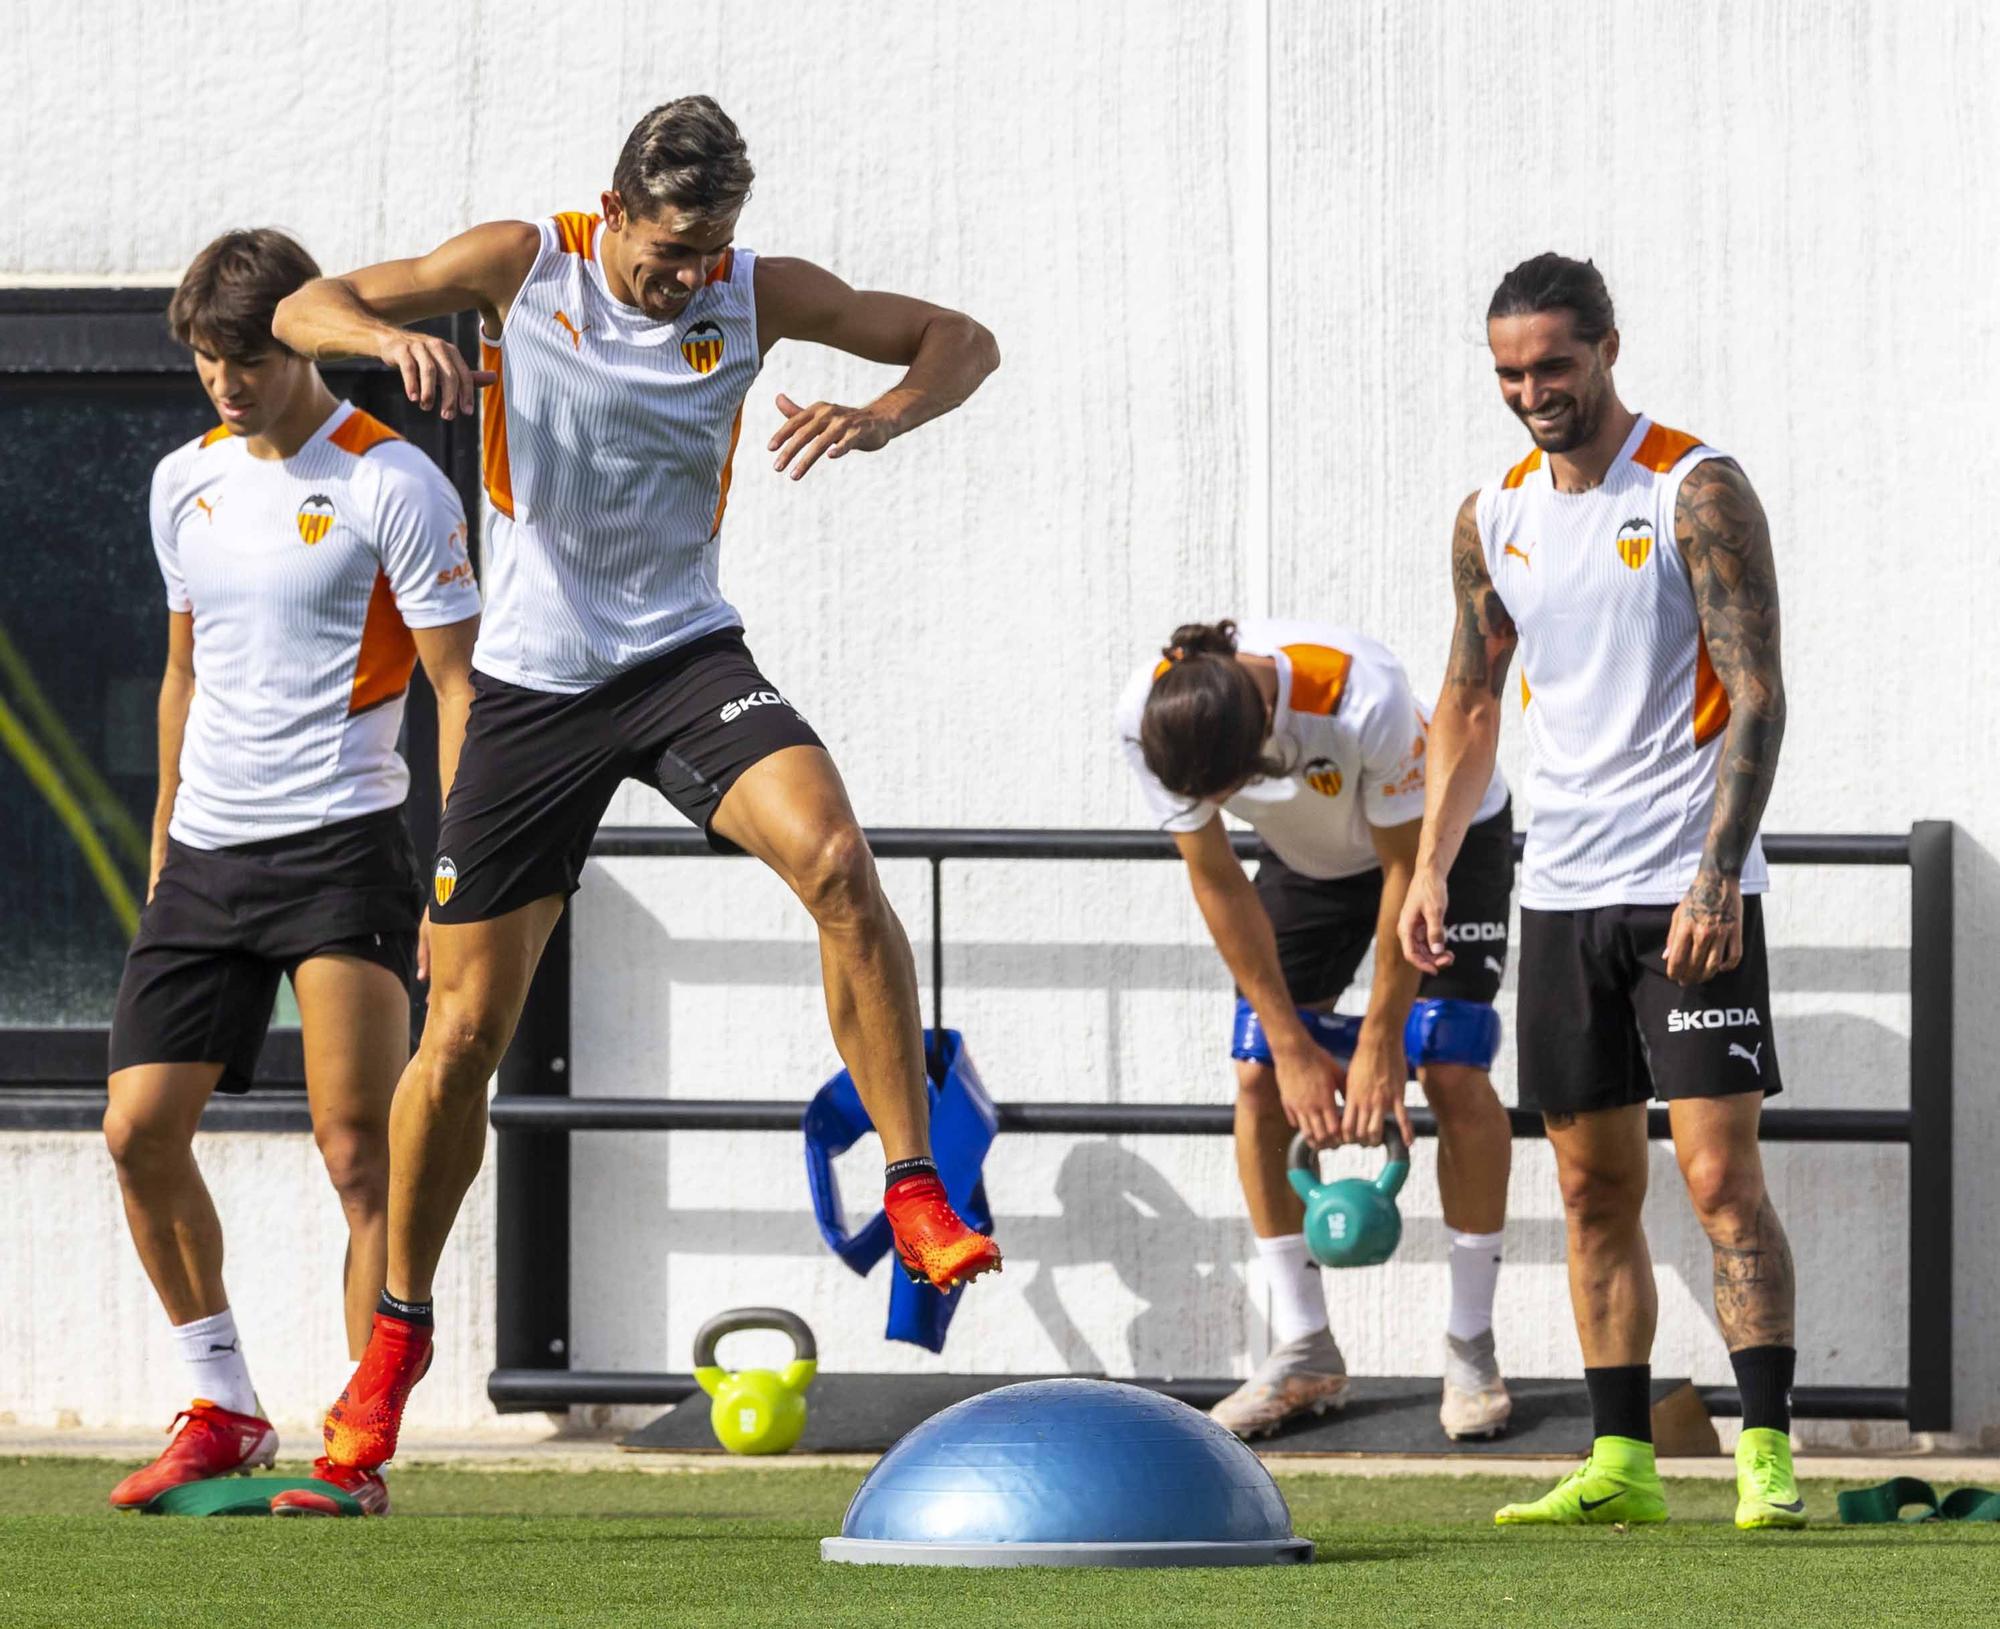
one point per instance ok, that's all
(445, 880)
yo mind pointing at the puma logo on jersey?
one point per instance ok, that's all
(1680, 1021)
(1750, 1057)
(207, 508)
(445, 881)
(1519, 554)
(756, 698)
(575, 333)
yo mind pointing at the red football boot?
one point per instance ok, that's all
(933, 1242)
(361, 1427)
(214, 1442)
(366, 1488)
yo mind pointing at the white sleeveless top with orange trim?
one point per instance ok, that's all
(1353, 738)
(1625, 714)
(304, 576)
(608, 443)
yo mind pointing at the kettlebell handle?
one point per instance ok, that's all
(804, 1348)
(1302, 1156)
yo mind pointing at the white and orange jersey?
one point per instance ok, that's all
(608, 442)
(1348, 727)
(1624, 713)
(304, 576)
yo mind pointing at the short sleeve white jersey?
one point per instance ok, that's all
(304, 576)
(1624, 713)
(608, 445)
(1350, 731)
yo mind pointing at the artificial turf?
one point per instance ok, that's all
(682, 1550)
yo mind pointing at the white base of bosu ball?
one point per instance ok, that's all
(1069, 1473)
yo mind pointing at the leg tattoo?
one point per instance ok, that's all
(1754, 1288)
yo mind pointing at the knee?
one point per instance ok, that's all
(1601, 1199)
(1460, 1095)
(140, 1145)
(1727, 1191)
(838, 883)
(464, 1040)
(357, 1164)
(1257, 1090)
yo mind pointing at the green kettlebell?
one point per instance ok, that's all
(756, 1411)
(1352, 1222)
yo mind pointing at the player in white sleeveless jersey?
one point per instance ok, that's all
(1310, 733)
(311, 557)
(1631, 565)
(619, 349)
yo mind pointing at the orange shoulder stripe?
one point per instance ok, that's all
(1521, 471)
(219, 433)
(1660, 448)
(719, 272)
(1319, 677)
(361, 431)
(575, 232)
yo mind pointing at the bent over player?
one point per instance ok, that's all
(620, 347)
(1632, 566)
(1310, 733)
(311, 557)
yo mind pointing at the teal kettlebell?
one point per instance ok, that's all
(1352, 1222)
(756, 1411)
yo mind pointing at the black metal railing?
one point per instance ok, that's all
(535, 1115)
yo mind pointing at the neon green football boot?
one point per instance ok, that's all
(1767, 1493)
(1616, 1484)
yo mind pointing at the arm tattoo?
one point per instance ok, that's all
(1483, 639)
(1726, 542)
(1754, 1286)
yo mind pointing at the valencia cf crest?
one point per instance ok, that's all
(1635, 542)
(1323, 776)
(702, 346)
(445, 880)
(315, 517)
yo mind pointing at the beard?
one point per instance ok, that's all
(1576, 426)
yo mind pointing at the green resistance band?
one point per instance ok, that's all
(241, 1496)
(1888, 1502)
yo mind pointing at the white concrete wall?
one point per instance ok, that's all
(1236, 256)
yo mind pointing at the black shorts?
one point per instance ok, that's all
(1601, 1025)
(225, 924)
(1325, 928)
(538, 769)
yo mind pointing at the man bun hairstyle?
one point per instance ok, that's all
(1553, 282)
(224, 304)
(684, 156)
(1202, 733)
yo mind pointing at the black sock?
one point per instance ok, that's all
(1621, 1401)
(898, 1169)
(411, 1312)
(1764, 1382)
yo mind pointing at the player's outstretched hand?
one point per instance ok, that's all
(825, 427)
(1421, 926)
(1310, 1081)
(1377, 1078)
(1705, 937)
(435, 374)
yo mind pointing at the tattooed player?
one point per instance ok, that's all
(1632, 566)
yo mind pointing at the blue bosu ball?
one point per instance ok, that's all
(1069, 1473)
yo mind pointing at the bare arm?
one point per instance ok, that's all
(945, 355)
(176, 697)
(1308, 1078)
(1723, 535)
(1380, 1072)
(363, 313)
(1464, 737)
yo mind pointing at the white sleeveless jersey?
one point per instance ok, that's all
(1624, 713)
(608, 443)
(304, 576)
(1350, 730)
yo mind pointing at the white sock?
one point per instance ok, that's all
(213, 1354)
(1298, 1304)
(1475, 1269)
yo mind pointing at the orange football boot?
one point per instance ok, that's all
(366, 1488)
(361, 1427)
(214, 1442)
(933, 1242)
